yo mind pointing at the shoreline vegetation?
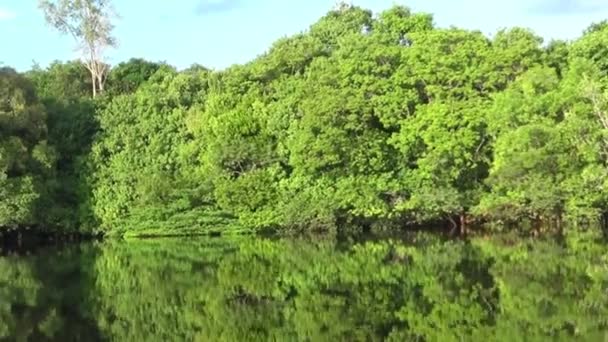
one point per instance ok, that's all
(363, 123)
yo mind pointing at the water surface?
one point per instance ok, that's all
(250, 289)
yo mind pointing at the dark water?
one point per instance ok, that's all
(306, 290)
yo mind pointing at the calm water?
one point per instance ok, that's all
(305, 290)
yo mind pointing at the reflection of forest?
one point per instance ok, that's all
(288, 290)
(49, 295)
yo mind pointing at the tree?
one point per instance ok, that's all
(598, 97)
(362, 121)
(61, 81)
(548, 149)
(593, 46)
(141, 162)
(26, 160)
(65, 91)
(126, 77)
(596, 27)
(89, 23)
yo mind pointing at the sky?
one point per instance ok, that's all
(219, 33)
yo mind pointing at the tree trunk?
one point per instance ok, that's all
(454, 225)
(463, 225)
(94, 79)
(100, 78)
(559, 224)
(536, 226)
(604, 224)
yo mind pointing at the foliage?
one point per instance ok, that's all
(127, 77)
(27, 161)
(141, 162)
(363, 121)
(63, 88)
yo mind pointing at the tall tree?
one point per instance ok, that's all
(89, 23)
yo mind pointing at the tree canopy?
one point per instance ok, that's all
(363, 121)
(26, 158)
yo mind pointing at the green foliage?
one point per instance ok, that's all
(140, 162)
(549, 150)
(360, 122)
(64, 89)
(396, 23)
(61, 81)
(26, 159)
(127, 77)
(592, 46)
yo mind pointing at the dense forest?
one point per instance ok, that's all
(362, 122)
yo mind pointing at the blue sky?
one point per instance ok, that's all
(218, 33)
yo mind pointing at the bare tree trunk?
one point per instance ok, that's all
(98, 72)
(94, 80)
(101, 83)
(463, 225)
(453, 223)
(599, 101)
(89, 22)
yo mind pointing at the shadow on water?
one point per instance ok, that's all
(46, 292)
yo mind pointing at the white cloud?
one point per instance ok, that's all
(6, 14)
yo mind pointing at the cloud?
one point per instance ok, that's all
(556, 7)
(216, 6)
(6, 14)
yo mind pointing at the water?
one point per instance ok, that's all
(250, 289)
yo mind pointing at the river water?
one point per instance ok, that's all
(315, 289)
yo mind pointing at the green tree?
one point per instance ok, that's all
(549, 153)
(64, 89)
(127, 77)
(140, 167)
(26, 159)
(362, 121)
(592, 46)
(61, 81)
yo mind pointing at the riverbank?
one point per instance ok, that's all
(29, 239)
